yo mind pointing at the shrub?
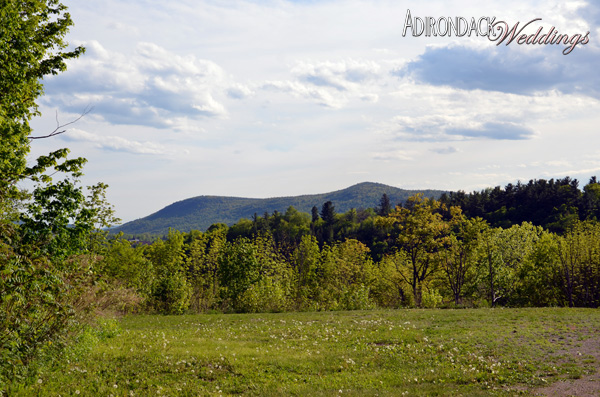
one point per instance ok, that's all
(172, 294)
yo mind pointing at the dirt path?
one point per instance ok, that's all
(586, 385)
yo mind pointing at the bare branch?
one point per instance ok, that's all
(60, 128)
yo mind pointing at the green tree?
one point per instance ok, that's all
(239, 268)
(591, 199)
(243, 228)
(32, 45)
(504, 253)
(314, 214)
(127, 264)
(351, 275)
(328, 217)
(171, 290)
(579, 264)
(385, 207)
(539, 276)
(458, 258)
(388, 289)
(203, 267)
(288, 229)
(306, 260)
(49, 238)
(272, 290)
(422, 234)
(46, 264)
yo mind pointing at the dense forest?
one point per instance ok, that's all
(553, 204)
(422, 253)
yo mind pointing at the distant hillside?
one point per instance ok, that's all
(199, 213)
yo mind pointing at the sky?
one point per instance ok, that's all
(281, 98)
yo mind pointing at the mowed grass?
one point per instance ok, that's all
(381, 352)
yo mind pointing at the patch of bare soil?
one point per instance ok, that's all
(585, 385)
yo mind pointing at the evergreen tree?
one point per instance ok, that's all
(385, 207)
(328, 216)
(328, 213)
(315, 214)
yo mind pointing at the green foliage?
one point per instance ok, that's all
(46, 266)
(31, 46)
(352, 274)
(552, 204)
(121, 261)
(171, 294)
(289, 229)
(578, 254)
(203, 265)
(243, 228)
(432, 298)
(539, 276)
(339, 280)
(458, 258)
(59, 218)
(43, 270)
(385, 207)
(427, 256)
(265, 295)
(505, 253)
(171, 290)
(239, 268)
(253, 277)
(388, 289)
(422, 234)
(38, 306)
(306, 261)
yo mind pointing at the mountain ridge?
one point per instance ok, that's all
(198, 213)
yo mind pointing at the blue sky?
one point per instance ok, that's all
(279, 98)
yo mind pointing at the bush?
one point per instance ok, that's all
(39, 310)
(264, 296)
(172, 294)
(431, 298)
(356, 298)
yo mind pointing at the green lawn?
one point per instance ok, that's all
(381, 352)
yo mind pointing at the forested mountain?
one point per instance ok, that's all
(198, 213)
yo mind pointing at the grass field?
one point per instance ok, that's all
(392, 352)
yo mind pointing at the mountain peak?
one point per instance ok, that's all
(198, 213)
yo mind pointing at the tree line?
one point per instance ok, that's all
(553, 204)
(423, 253)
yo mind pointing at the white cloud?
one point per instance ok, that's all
(321, 96)
(344, 75)
(151, 87)
(445, 150)
(393, 155)
(239, 91)
(333, 83)
(440, 114)
(114, 143)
